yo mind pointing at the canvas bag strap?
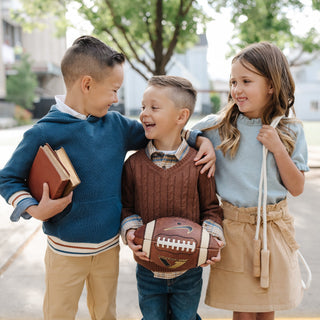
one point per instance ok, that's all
(261, 262)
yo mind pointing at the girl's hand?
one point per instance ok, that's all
(47, 207)
(269, 137)
(137, 249)
(292, 178)
(205, 156)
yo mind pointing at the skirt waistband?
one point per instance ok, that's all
(249, 215)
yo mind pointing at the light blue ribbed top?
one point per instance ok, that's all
(238, 179)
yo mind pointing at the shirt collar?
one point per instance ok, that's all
(179, 153)
(62, 107)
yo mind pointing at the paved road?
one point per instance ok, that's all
(22, 247)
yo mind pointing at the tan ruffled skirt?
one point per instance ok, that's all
(236, 283)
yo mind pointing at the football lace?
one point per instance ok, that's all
(176, 244)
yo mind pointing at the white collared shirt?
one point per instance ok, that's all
(62, 107)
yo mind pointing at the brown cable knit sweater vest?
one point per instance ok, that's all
(152, 192)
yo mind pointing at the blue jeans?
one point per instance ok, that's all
(174, 299)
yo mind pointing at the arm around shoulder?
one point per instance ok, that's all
(134, 133)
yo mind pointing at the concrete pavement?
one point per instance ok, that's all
(22, 247)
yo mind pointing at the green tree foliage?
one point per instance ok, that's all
(261, 20)
(148, 32)
(216, 102)
(21, 85)
(316, 4)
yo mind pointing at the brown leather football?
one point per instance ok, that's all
(176, 243)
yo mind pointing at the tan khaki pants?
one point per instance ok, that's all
(65, 278)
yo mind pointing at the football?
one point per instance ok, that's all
(176, 243)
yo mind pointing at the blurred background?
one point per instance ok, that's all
(189, 38)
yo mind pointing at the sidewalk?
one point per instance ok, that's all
(314, 157)
(22, 248)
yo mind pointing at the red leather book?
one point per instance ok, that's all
(55, 168)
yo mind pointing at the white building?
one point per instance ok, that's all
(307, 93)
(46, 52)
(44, 48)
(307, 80)
(191, 65)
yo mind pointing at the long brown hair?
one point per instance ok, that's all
(268, 61)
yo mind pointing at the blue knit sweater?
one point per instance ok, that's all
(97, 148)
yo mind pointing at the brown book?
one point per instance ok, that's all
(55, 168)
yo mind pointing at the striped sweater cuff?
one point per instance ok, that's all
(131, 222)
(17, 197)
(214, 229)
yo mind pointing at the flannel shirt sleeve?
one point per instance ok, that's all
(214, 229)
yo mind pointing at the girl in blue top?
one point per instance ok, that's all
(252, 280)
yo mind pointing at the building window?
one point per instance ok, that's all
(314, 106)
(12, 35)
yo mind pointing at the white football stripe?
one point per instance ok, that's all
(147, 237)
(205, 238)
(176, 244)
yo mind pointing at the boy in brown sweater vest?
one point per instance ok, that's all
(162, 181)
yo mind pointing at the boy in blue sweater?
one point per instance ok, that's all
(83, 227)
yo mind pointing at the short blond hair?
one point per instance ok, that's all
(182, 91)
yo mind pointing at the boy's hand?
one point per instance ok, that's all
(135, 248)
(47, 207)
(205, 156)
(213, 260)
